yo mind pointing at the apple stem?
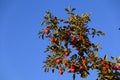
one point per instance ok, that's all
(73, 76)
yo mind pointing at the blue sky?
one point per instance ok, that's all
(21, 51)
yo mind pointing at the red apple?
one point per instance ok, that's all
(114, 67)
(119, 67)
(80, 38)
(58, 61)
(107, 66)
(47, 31)
(73, 70)
(66, 53)
(53, 40)
(82, 68)
(84, 60)
(68, 33)
(72, 67)
(73, 38)
(77, 48)
(61, 72)
(102, 62)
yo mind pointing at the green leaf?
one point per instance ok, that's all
(45, 69)
(118, 59)
(66, 44)
(42, 22)
(52, 70)
(43, 36)
(84, 74)
(98, 46)
(100, 32)
(73, 9)
(66, 10)
(73, 57)
(93, 32)
(113, 58)
(47, 49)
(105, 57)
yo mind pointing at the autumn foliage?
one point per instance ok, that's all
(71, 49)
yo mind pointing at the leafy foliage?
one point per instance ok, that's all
(74, 33)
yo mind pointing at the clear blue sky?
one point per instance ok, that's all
(21, 51)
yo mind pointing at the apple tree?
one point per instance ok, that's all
(71, 49)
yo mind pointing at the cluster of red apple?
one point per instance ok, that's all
(53, 40)
(105, 66)
(73, 68)
(116, 67)
(79, 39)
(73, 39)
